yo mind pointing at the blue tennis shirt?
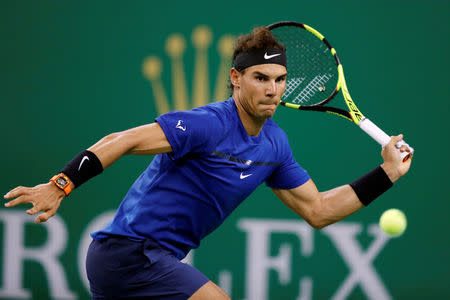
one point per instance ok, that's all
(184, 195)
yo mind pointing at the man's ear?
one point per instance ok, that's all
(235, 77)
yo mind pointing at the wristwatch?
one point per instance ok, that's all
(62, 182)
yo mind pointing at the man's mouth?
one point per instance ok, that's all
(270, 104)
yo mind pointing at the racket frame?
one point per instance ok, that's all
(354, 114)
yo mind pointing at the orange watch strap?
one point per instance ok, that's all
(66, 188)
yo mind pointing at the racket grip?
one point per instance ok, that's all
(382, 138)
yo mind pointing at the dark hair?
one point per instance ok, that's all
(259, 38)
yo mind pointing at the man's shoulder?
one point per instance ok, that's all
(216, 115)
(219, 108)
(273, 130)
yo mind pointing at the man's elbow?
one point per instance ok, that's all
(318, 219)
(317, 224)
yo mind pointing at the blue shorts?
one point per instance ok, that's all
(120, 268)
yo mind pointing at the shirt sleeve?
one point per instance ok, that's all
(192, 131)
(289, 174)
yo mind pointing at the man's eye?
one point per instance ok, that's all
(260, 78)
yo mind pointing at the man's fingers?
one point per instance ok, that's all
(19, 200)
(16, 192)
(45, 216)
(38, 196)
(404, 148)
(396, 139)
(33, 210)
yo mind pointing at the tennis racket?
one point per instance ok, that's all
(315, 76)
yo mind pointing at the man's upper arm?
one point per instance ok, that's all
(148, 140)
(302, 199)
(144, 140)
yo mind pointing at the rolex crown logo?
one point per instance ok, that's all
(202, 39)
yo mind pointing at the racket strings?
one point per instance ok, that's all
(312, 71)
(316, 85)
(292, 84)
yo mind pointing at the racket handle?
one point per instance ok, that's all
(382, 138)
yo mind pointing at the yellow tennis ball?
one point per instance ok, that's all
(393, 222)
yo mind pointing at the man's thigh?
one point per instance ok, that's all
(121, 269)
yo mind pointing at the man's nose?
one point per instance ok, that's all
(271, 88)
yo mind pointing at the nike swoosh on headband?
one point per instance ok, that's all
(270, 56)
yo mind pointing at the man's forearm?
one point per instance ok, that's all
(347, 199)
(143, 140)
(110, 148)
(91, 162)
(320, 209)
(337, 204)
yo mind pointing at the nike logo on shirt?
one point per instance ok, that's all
(82, 161)
(270, 56)
(244, 176)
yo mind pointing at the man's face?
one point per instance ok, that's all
(260, 89)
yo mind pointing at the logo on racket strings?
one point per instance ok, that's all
(300, 94)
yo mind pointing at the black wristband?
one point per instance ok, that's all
(83, 167)
(371, 185)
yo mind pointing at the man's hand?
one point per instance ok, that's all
(44, 197)
(393, 164)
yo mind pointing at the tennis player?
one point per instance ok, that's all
(208, 161)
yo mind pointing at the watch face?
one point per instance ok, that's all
(61, 181)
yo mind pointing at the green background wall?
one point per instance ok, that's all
(71, 72)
